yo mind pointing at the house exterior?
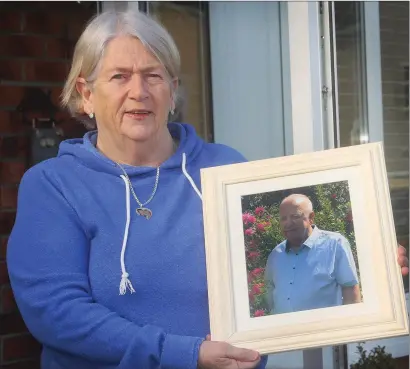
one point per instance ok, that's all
(268, 78)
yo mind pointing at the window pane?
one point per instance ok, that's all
(394, 45)
(351, 71)
(394, 39)
(187, 22)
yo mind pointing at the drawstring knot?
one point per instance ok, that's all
(125, 282)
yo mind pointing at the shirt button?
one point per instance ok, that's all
(294, 267)
(288, 298)
(297, 254)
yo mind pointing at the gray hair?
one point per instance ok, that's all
(91, 45)
(299, 198)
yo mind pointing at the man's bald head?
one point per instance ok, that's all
(300, 200)
(296, 218)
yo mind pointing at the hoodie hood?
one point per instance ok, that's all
(84, 150)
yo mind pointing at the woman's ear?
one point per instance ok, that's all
(86, 94)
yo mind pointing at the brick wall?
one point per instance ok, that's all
(36, 42)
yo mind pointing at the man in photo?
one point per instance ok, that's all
(312, 268)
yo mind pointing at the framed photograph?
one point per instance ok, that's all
(301, 251)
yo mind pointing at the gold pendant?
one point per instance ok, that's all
(145, 212)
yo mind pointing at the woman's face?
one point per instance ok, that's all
(132, 94)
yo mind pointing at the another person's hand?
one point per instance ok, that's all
(403, 260)
(222, 355)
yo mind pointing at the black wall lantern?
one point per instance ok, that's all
(38, 111)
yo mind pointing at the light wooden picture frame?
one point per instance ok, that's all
(381, 314)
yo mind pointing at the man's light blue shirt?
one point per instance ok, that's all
(311, 277)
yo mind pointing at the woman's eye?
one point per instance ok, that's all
(154, 76)
(118, 76)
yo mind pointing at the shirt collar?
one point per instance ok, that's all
(310, 241)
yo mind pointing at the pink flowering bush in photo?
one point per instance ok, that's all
(261, 230)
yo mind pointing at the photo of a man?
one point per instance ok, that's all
(311, 268)
(300, 249)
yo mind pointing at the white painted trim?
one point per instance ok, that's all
(305, 62)
(300, 81)
(309, 132)
(316, 77)
(328, 102)
(334, 76)
(286, 89)
(373, 71)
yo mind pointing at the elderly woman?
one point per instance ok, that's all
(106, 257)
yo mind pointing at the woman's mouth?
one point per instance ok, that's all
(138, 114)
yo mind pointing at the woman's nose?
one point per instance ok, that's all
(138, 88)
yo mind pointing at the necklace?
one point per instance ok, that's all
(142, 210)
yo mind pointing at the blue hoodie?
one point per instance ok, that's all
(77, 238)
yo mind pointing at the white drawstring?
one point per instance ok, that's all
(125, 282)
(189, 177)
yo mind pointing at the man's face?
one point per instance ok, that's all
(295, 221)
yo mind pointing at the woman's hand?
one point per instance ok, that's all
(403, 260)
(222, 355)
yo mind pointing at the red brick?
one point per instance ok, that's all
(12, 323)
(55, 95)
(6, 222)
(22, 46)
(7, 302)
(10, 21)
(44, 71)
(64, 116)
(48, 23)
(11, 172)
(11, 122)
(77, 23)
(26, 364)
(58, 48)
(5, 122)
(3, 247)
(8, 197)
(14, 147)
(4, 275)
(11, 95)
(10, 70)
(20, 347)
(72, 128)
